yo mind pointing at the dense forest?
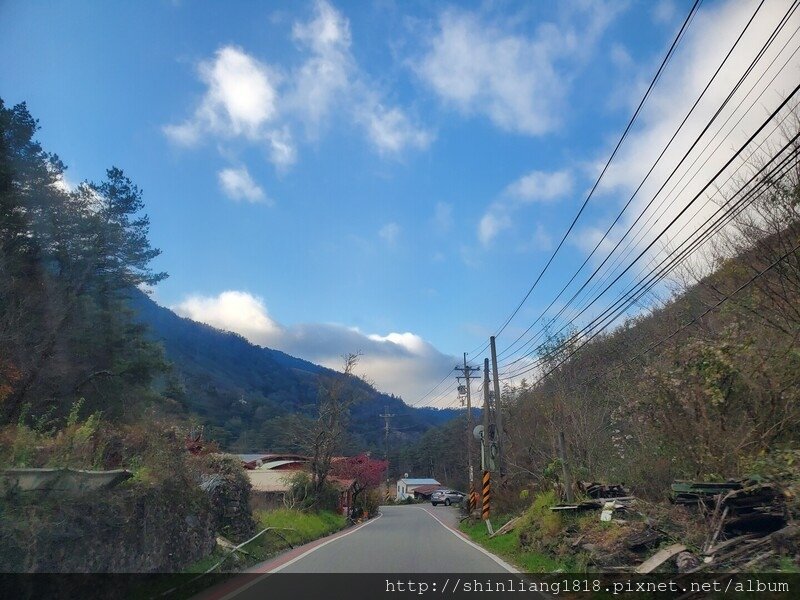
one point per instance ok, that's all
(69, 260)
(705, 384)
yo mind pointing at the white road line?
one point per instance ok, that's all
(497, 559)
(315, 548)
(250, 584)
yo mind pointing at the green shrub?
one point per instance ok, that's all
(368, 502)
(539, 524)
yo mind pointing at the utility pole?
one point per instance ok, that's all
(498, 412)
(486, 410)
(487, 444)
(386, 416)
(467, 371)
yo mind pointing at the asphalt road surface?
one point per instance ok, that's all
(415, 540)
(404, 539)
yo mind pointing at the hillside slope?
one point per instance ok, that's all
(246, 395)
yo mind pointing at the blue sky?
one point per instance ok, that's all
(326, 177)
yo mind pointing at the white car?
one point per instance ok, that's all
(447, 497)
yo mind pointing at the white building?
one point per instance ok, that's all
(406, 486)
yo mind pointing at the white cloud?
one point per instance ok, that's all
(491, 224)
(325, 74)
(401, 363)
(519, 82)
(238, 185)
(588, 237)
(391, 131)
(282, 151)
(232, 310)
(64, 184)
(239, 100)
(541, 186)
(540, 240)
(664, 11)
(248, 100)
(389, 233)
(620, 57)
(536, 186)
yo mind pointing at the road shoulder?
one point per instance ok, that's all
(465, 538)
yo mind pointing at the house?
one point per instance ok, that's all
(424, 492)
(257, 461)
(271, 476)
(407, 485)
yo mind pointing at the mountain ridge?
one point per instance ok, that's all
(246, 394)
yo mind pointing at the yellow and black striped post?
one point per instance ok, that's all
(486, 495)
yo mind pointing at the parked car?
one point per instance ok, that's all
(447, 497)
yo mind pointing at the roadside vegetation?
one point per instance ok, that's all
(292, 527)
(509, 549)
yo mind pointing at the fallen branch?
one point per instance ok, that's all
(718, 529)
(660, 558)
(728, 543)
(506, 528)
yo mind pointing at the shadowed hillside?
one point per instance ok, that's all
(248, 396)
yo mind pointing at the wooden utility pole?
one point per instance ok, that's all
(486, 475)
(386, 416)
(498, 412)
(486, 411)
(467, 371)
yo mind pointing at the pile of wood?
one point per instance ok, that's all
(748, 522)
(748, 551)
(748, 526)
(593, 489)
(743, 525)
(701, 492)
(597, 495)
(759, 508)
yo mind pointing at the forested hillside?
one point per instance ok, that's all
(95, 376)
(249, 397)
(68, 263)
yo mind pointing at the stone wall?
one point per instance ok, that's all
(133, 528)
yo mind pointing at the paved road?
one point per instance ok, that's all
(415, 539)
(404, 539)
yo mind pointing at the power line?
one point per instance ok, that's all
(656, 276)
(727, 297)
(658, 159)
(623, 296)
(643, 287)
(650, 87)
(756, 59)
(739, 205)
